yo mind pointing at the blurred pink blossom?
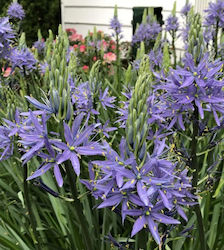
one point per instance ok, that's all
(109, 57)
(6, 72)
(82, 48)
(85, 68)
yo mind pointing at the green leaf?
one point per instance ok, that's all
(7, 243)
(217, 191)
(213, 227)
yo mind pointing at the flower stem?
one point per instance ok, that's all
(215, 41)
(174, 49)
(29, 208)
(78, 208)
(195, 168)
(117, 63)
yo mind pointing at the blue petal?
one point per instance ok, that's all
(153, 229)
(138, 225)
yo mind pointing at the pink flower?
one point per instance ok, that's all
(109, 57)
(94, 58)
(75, 37)
(113, 46)
(6, 72)
(70, 30)
(75, 46)
(82, 48)
(85, 68)
(105, 44)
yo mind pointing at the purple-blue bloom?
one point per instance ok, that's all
(23, 59)
(115, 25)
(172, 23)
(146, 32)
(156, 59)
(49, 161)
(194, 86)
(184, 11)
(146, 191)
(15, 10)
(77, 143)
(6, 143)
(105, 129)
(215, 14)
(123, 110)
(208, 34)
(40, 46)
(83, 99)
(36, 138)
(43, 66)
(6, 36)
(106, 100)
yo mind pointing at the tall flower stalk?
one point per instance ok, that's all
(172, 27)
(194, 165)
(115, 25)
(28, 203)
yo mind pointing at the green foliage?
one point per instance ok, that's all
(166, 58)
(71, 220)
(137, 128)
(174, 8)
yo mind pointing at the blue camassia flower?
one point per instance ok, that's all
(6, 143)
(15, 10)
(146, 32)
(215, 14)
(172, 23)
(36, 138)
(115, 25)
(22, 59)
(149, 191)
(49, 161)
(82, 97)
(186, 8)
(105, 129)
(6, 36)
(194, 86)
(106, 100)
(77, 143)
(40, 46)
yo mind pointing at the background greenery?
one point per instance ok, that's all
(41, 14)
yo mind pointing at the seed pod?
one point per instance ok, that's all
(69, 113)
(64, 101)
(61, 85)
(129, 135)
(55, 100)
(128, 75)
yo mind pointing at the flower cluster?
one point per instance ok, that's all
(16, 11)
(172, 23)
(146, 32)
(31, 129)
(73, 35)
(115, 25)
(185, 10)
(6, 144)
(6, 35)
(215, 14)
(83, 100)
(23, 59)
(154, 192)
(40, 46)
(195, 86)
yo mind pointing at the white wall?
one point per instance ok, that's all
(83, 15)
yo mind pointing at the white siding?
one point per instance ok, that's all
(83, 15)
